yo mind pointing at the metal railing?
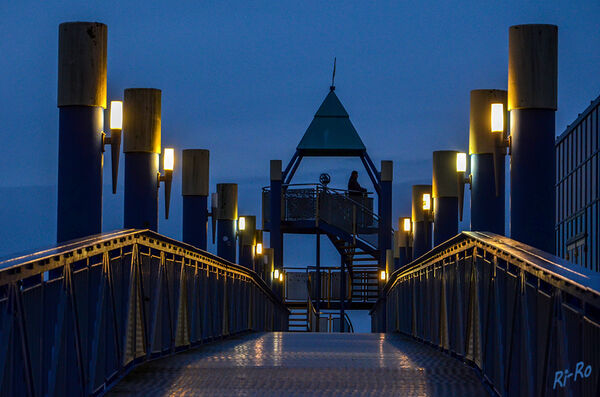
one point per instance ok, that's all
(521, 316)
(76, 318)
(327, 321)
(351, 213)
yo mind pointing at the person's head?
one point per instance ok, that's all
(354, 174)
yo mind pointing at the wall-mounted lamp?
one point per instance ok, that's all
(426, 202)
(383, 275)
(276, 274)
(406, 224)
(167, 178)
(241, 223)
(498, 126)
(114, 140)
(259, 249)
(461, 169)
(497, 117)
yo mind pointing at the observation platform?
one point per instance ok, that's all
(305, 364)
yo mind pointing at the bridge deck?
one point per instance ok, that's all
(303, 364)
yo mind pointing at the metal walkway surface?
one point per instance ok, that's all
(305, 364)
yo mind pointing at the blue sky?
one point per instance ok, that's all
(244, 79)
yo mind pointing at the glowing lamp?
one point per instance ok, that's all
(259, 248)
(427, 201)
(497, 117)
(116, 115)
(383, 275)
(242, 223)
(406, 224)
(461, 162)
(169, 159)
(281, 277)
(276, 274)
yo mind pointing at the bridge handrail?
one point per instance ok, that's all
(521, 316)
(520, 254)
(77, 317)
(37, 262)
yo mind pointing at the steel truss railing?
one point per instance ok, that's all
(519, 315)
(76, 318)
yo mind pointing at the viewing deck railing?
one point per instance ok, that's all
(76, 318)
(529, 321)
(313, 202)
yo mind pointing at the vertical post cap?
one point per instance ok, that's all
(276, 170)
(387, 170)
(418, 214)
(195, 172)
(532, 67)
(141, 120)
(444, 181)
(228, 201)
(82, 64)
(481, 138)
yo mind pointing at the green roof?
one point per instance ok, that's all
(331, 132)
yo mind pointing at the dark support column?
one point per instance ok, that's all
(385, 211)
(81, 100)
(141, 144)
(227, 213)
(487, 194)
(275, 200)
(420, 221)
(532, 92)
(194, 188)
(445, 196)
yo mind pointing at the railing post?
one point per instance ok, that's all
(420, 221)
(532, 92)
(445, 196)
(227, 214)
(487, 203)
(195, 189)
(81, 100)
(141, 145)
(385, 211)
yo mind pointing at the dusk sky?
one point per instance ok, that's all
(244, 80)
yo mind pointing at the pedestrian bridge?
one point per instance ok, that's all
(134, 312)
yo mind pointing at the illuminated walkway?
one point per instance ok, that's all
(303, 364)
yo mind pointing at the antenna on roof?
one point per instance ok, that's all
(332, 87)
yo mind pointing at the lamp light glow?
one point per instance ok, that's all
(116, 115)
(259, 248)
(427, 201)
(461, 162)
(169, 159)
(383, 275)
(242, 223)
(276, 274)
(281, 277)
(497, 117)
(406, 223)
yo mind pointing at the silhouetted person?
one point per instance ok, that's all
(355, 191)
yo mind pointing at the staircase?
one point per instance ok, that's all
(298, 319)
(363, 269)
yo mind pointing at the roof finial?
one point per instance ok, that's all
(332, 87)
